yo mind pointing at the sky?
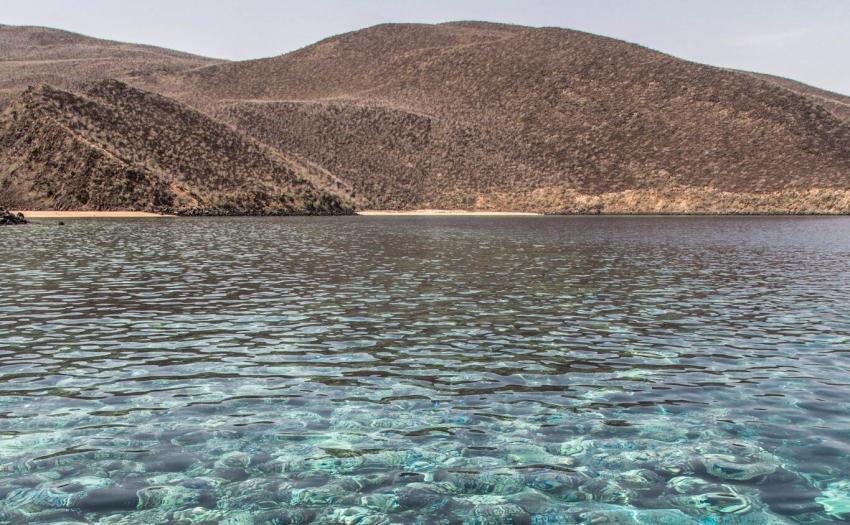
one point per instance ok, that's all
(807, 40)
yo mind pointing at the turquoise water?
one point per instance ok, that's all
(426, 370)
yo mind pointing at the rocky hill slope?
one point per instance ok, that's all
(478, 115)
(35, 55)
(116, 147)
(459, 115)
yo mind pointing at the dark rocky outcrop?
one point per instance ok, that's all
(7, 218)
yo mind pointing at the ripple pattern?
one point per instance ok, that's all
(379, 370)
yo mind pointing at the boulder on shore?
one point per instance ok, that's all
(9, 218)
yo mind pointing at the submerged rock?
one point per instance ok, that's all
(380, 502)
(357, 516)
(167, 497)
(500, 514)
(492, 482)
(529, 453)
(835, 500)
(715, 500)
(330, 494)
(327, 464)
(176, 462)
(737, 469)
(606, 491)
(234, 460)
(559, 484)
(686, 485)
(621, 516)
(286, 517)
(109, 499)
(426, 496)
(576, 447)
(65, 494)
(643, 481)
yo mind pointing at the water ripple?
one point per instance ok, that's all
(414, 370)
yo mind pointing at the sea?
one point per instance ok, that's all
(425, 370)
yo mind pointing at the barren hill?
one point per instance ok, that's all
(838, 104)
(460, 115)
(116, 147)
(492, 116)
(34, 55)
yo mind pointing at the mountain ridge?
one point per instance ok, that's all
(553, 109)
(481, 115)
(30, 55)
(42, 32)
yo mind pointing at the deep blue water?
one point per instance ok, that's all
(377, 370)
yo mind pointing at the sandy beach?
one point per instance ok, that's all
(49, 214)
(445, 212)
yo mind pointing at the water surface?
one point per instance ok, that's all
(393, 370)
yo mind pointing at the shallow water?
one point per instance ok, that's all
(391, 370)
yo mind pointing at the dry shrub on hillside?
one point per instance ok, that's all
(165, 155)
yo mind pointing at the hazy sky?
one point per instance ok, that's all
(807, 40)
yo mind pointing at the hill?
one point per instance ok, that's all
(838, 105)
(116, 147)
(399, 116)
(478, 115)
(35, 55)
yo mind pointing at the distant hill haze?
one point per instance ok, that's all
(401, 116)
(37, 55)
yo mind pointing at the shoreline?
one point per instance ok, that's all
(122, 214)
(433, 212)
(50, 214)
